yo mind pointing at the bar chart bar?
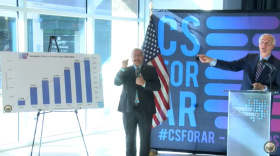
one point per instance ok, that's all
(88, 81)
(21, 102)
(45, 90)
(33, 96)
(57, 93)
(67, 80)
(78, 82)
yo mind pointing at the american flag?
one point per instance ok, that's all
(152, 56)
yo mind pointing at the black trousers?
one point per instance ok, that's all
(144, 122)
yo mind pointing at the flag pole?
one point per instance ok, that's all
(152, 151)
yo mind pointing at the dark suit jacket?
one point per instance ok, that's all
(249, 66)
(145, 95)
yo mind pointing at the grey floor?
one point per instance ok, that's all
(104, 144)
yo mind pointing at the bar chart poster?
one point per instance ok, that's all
(50, 82)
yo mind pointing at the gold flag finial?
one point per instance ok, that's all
(151, 7)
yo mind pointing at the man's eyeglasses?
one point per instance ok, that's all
(265, 43)
(137, 56)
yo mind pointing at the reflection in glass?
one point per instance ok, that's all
(7, 33)
(70, 33)
(120, 8)
(103, 39)
(8, 2)
(78, 6)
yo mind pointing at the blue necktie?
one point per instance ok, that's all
(136, 96)
(259, 71)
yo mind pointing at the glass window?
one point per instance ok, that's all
(120, 8)
(7, 31)
(9, 2)
(9, 122)
(70, 33)
(78, 6)
(114, 41)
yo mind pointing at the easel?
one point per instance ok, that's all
(50, 44)
(39, 111)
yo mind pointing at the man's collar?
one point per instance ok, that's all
(138, 66)
(266, 58)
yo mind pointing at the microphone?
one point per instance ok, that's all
(271, 66)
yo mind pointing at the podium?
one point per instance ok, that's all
(249, 114)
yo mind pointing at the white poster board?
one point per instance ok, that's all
(50, 81)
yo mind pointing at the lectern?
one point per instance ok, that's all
(249, 115)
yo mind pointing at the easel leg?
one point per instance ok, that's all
(76, 112)
(50, 45)
(41, 133)
(38, 114)
(56, 45)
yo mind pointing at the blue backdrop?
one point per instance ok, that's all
(197, 120)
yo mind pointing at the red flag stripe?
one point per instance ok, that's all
(159, 113)
(164, 103)
(166, 76)
(153, 63)
(161, 67)
(160, 117)
(163, 95)
(156, 120)
(163, 89)
(159, 106)
(164, 92)
(161, 99)
(161, 77)
(160, 59)
(153, 123)
(160, 70)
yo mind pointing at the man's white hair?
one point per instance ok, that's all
(136, 49)
(273, 39)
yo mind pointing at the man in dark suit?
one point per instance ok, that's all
(137, 101)
(255, 74)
